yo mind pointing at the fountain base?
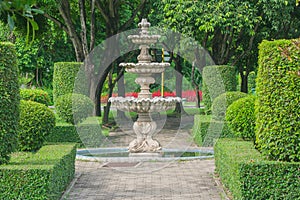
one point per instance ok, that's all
(146, 155)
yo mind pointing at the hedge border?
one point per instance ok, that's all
(43, 175)
(248, 175)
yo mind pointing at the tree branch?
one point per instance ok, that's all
(130, 20)
(104, 15)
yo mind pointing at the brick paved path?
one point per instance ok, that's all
(176, 180)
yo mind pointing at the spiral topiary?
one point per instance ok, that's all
(36, 95)
(241, 118)
(74, 108)
(36, 122)
(221, 103)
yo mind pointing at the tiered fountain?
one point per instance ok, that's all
(144, 104)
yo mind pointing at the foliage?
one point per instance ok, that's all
(221, 103)
(64, 77)
(246, 173)
(241, 119)
(36, 122)
(43, 175)
(231, 30)
(251, 82)
(277, 107)
(87, 134)
(9, 100)
(24, 9)
(74, 108)
(207, 130)
(37, 95)
(212, 87)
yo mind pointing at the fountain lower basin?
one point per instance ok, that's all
(144, 105)
(122, 155)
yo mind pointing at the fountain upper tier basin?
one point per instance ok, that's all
(144, 67)
(144, 105)
(144, 39)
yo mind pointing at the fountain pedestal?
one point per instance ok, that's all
(144, 128)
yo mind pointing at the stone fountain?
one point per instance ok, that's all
(144, 104)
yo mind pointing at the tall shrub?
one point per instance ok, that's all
(64, 77)
(9, 100)
(278, 100)
(212, 87)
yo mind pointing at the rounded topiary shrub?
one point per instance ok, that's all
(217, 79)
(9, 100)
(36, 95)
(74, 108)
(36, 122)
(221, 103)
(241, 118)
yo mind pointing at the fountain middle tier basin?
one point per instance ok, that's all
(144, 105)
(144, 67)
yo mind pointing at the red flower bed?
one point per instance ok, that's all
(189, 95)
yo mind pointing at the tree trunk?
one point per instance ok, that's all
(178, 68)
(244, 83)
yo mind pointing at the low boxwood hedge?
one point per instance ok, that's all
(41, 175)
(206, 130)
(248, 175)
(86, 135)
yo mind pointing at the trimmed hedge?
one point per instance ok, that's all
(245, 172)
(221, 103)
(278, 102)
(74, 108)
(241, 119)
(36, 121)
(64, 77)
(206, 130)
(36, 95)
(9, 100)
(212, 87)
(86, 135)
(42, 175)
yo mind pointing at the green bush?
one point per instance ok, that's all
(64, 77)
(9, 100)
(246, 173)
(43, 175)
(36, 95)
(36, 121)
(221, 103)
(87, 134)
(74, 108)
(241, 119)
(217, 79)
(206, 130)
(277, 106)
(251, 82)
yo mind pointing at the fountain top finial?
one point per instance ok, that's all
(144, 25)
